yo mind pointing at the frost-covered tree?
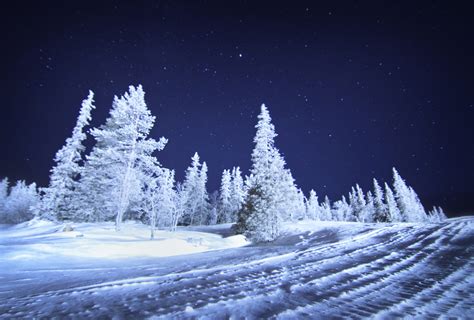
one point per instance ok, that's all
(312, 206)
(196, 198)
(202, 206)
(225, 201)
(292, 205)
(18, 206)
(299, 205)
(326, 213)
(252, 219)
(57, 201)
(161, 199)
(237, 192)
(4, 185)
(436, 215)
(180, 206)
(190, 192)
(357, 202)
(112, 179)
(402, 196)
(409, 204)
(368, 212)
(266, 201)
(150, 203)
(417, 211)
(213, 205)
(392, 208)
(341, 210)
(380, 209)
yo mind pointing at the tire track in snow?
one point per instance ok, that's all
(274, 287)
(367, 300)
(315, 280)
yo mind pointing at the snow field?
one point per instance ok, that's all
(315, 270)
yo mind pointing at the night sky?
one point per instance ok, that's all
(354, 88)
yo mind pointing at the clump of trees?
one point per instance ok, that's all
(122, 178)
(273, 197)
(17, 202)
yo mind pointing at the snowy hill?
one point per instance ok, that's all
(316, 269)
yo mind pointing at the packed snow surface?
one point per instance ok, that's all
(315, 270)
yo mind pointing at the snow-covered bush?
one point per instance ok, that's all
(18, 206)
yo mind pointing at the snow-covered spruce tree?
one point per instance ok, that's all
(202, 206)
(225, 202)
(353, 204)
(260, 218)
(357, 202)
(299, 207)
(393, 213)
(293, 207)
(369, 209)
(418, 212)
(112, 178)
(196, 199)
(57, 201)
(341, 210)
(380, 209)
(159, 198)
(252, 218)
(402, 196)
(213, 205)
(4, 185)
(312, 206)
(189, 193)
(441, 214)
(436, 215)
(237, 195)
(166, 204)
(326, 213)
(410, 206)
(18, 206)
(179, 204)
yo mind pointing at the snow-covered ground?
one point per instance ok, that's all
(315, 270)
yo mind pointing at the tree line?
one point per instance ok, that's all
(121, 178)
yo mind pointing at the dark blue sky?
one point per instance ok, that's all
(354, 88)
